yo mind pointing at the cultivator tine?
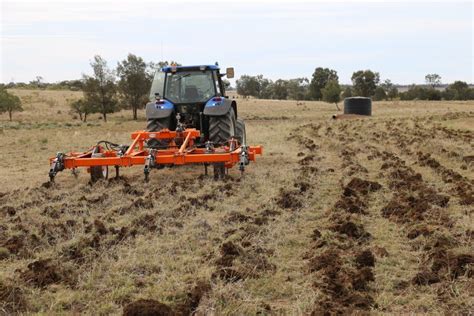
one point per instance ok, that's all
(244, 158)
(149, 163)
(146, 172)
(56, 166)
(219, 171)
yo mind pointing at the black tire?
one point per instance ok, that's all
(222, 128)
(99, 173)
(240, 131)
(156, 125)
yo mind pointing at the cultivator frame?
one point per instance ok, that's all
(179, 148)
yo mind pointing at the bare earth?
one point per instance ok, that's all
(355, 215)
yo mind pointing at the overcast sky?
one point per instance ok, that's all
(402, 40)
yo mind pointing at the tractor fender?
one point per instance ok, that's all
(218, 108)
(159, 109)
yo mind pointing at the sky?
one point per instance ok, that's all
(403, 40)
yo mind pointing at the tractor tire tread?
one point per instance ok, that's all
(156, 125)
(222, 128)
(240, 131)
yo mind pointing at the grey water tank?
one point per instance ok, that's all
(358, 105)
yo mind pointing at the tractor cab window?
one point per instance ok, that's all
(189, 86)
(218, 86)
(157, 85)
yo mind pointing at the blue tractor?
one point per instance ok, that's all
(194, 97)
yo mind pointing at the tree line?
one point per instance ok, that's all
(127, 86)
(324, 86)
(106, 90)
(39, 83)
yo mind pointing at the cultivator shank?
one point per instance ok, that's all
(176, 148)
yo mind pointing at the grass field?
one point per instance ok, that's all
(361, 215)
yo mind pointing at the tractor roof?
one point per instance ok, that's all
(190, 68)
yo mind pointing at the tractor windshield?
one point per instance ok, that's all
(190, 86)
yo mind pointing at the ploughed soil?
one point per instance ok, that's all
(344, 216)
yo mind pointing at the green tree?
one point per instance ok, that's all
(392, 93)
(280, 90)
(413, 92)
(38, 83)
(380, 94)
(433, 94)
(347, 92)
(74, 85)
(365, 82)
(387, 86)
(264, 87)
(255, 86)
(100, 89)
(420, 93)
(459, 90)
(248, 86)
(83, 108)
(134, 84)
(321, 77)
(332, 93)
(9, 103)
(297, 88)
(433, 80)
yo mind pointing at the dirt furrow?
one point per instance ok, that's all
(340, 259)
(421, 211)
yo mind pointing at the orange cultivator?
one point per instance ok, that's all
(176, 148)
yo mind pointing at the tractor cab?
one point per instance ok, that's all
(193, 96)
(190, 84)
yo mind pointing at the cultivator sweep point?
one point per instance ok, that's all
(179, 147)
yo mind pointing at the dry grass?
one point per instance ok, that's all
(250, 245)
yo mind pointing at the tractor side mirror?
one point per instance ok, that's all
(229, 72)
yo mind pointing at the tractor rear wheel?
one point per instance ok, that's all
(240, 131)
(156, 125)
(222, 128)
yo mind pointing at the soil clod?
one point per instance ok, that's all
(147, 308)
